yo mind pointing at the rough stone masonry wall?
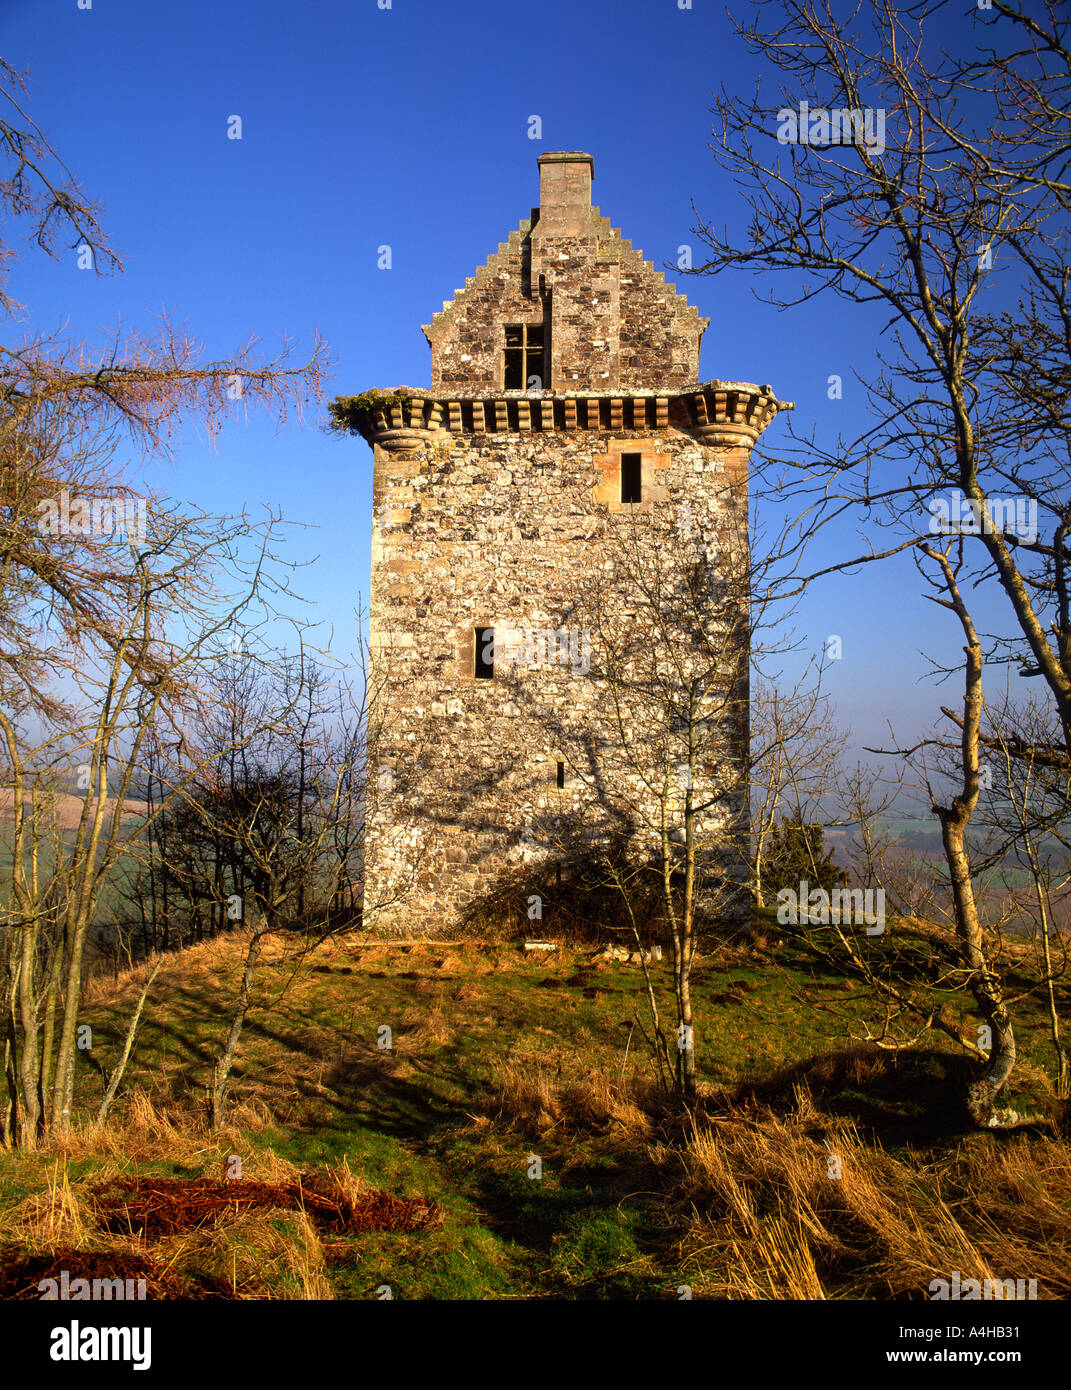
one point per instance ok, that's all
(509, 531)
(468, 337)
(660, 331)
(611, 319)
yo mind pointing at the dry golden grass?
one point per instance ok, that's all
(534, 1097)
(58, 1216)
(798, 1205)
(256, 1255)
(216, 962)
(748, 1195)
(151, 1132)
(767, 1214)
(429, 1023)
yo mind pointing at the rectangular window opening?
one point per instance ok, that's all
(514, 378)
(533, 365)
(561, 774)
(484, 648)
(523, 357)
(631, 477)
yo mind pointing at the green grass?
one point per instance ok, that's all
(425, 1118)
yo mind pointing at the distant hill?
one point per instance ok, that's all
(68, 808)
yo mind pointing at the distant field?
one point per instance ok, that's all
(68, 809)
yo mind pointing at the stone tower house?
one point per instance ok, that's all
(565, 428)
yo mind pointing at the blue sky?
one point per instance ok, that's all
(408, 127)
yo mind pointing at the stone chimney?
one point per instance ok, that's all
(565, 193)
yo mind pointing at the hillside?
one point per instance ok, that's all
(412, 1167)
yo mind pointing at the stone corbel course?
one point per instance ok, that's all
(719, 413)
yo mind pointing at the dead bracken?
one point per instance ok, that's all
(22, 1276)
(154, 1207)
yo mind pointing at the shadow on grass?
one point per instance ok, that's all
(912, 1097)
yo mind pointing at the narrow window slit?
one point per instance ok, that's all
(514, 379)
(484, 647)
(631, 477)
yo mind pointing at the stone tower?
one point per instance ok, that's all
(565, 405)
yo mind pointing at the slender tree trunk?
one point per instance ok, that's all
(29, 928)
(984, 982)
(1062, 1087)
(10, 1119)
(128, 1043)
(63, 1089)
(658, 1036)
(28, 1062)
(48, 1034)
(687, 929)
(680, 940)
(684, 1013)
(152, 848)
(222, 1070)
(76, 933)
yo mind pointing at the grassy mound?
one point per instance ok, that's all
(486, 1126)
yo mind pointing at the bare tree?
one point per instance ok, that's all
(109, 599)
(1024, 815)
(149, 674)
(984, 980)
(279, 821)
(795, 747)
(877, 183)
(887, 190)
